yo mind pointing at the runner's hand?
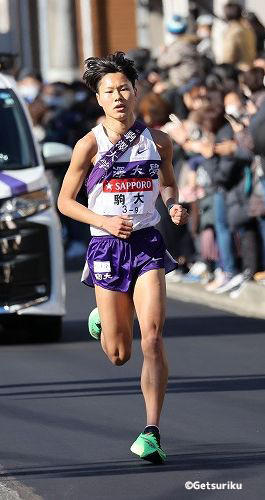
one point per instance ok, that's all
(179, 215)
(120, 226)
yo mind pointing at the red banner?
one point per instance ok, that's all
(127, 185)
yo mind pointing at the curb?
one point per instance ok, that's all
(251, 301)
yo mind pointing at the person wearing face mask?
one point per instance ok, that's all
(234, 104)
(67, 120)
(29, 85)
(252, 84)
(85, 105)
(57, 95)
(59, 120)
(204, 32)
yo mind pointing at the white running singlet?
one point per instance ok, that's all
(134, 186)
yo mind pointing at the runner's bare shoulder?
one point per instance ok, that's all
(162, 141)
(85, 151)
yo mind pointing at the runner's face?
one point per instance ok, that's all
(116, 95)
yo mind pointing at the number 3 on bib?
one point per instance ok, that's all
(129, 196)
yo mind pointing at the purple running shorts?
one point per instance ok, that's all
(115, 263)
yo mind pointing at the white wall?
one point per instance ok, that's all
(86, 27)
(57, 41)
(257, 6)
(171, 7)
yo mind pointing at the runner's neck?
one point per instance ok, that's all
(117, 127)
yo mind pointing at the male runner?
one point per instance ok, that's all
(126, 259)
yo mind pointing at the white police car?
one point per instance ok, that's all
(32, 280)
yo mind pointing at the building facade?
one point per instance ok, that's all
(55, 36)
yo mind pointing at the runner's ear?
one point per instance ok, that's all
(98, 99)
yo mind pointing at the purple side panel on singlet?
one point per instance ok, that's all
(92, 179)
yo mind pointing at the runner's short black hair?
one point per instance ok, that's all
(97, 67)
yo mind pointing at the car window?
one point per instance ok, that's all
(16, 144)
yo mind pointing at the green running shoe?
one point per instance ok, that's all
(147, 447)
(94, 325)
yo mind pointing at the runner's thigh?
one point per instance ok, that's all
(116, 312)
(150, 301)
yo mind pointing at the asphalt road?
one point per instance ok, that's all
(68, 416)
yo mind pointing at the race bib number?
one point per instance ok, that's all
(128, 196)
(102, 266)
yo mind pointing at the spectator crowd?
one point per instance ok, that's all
(217, 127)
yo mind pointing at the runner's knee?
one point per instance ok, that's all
(120, 354)
(152, 342)
(119, 358)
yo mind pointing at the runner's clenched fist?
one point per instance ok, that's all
(179, 214)
(120, 226)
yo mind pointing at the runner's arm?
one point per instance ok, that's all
(84, 150)
(168, 186)
(83, 153)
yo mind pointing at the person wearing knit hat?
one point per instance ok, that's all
(180, 58)
(177, 25)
